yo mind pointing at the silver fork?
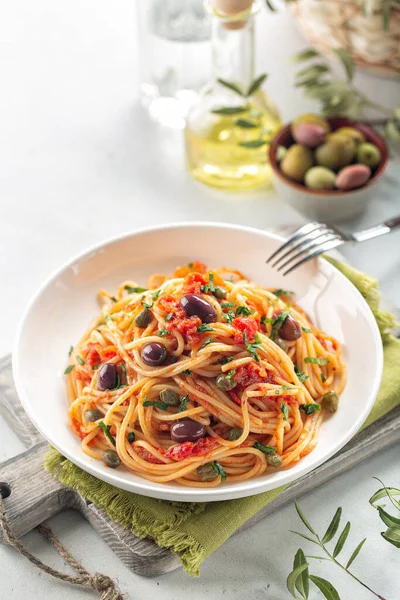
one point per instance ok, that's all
(315, 238)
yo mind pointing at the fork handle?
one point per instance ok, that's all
(377, 230)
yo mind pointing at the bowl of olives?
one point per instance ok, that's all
(327, 169)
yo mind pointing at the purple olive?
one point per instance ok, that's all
(290, 330)
(154, 354)
(187, 430)
(108, 377)
(194, 305)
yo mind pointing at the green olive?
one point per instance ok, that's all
(207, 472)
(330, 401)
(169, 397)
(274, 460)
(143, 318)
(220, 292)
(235, 434)
(225, 383)
(93, 415)
(281, 343)
(111, 458)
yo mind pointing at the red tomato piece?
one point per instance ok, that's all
(107, 353)
(193, 283)
(146, 455)
(235, 398)
(251, 373)
(91, 355)
(245, 324)
(191, 449)
(168, 303)
(82, 375)
(185, 325)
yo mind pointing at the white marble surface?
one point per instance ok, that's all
(79, 162)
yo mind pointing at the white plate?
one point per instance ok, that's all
(60, 312)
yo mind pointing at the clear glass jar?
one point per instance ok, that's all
(174, 56)
(228, 129)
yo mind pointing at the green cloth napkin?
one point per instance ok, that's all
(195, 530)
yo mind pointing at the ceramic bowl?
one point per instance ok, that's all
(329, 206)
(61, 310)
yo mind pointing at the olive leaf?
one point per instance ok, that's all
(347, 62)
(302, 582)
(292, 579)
(342, 540)
(355, 553)
(230, 110)
(392, 131)
(392, 535)
(270, 6)
(305, 537)
(325, 587)
(385, 492)
(253, 143)
(387, 518)
(244, 124)
(303, 518)
(256, 84)
(306, 55)
(231, 86)
(333, 527)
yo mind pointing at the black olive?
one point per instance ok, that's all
(154, 354)
(187, 430)
(194, 305)
(108, 377)
(290, 330)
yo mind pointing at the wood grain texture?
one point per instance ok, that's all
(36, 496)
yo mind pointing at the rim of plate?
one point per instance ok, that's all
(145, 487)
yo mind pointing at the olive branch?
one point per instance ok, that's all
(340, 97)
(298, 581)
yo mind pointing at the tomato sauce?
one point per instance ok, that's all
(191, 449)
(245, 324)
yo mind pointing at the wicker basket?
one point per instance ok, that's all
(331, 24)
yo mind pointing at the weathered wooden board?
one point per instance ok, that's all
(36, 496)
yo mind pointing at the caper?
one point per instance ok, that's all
(274, 460)
(281, 343)
(225, 383)
(330, 401)
(220, 292)
(169, 397)
(93, 415)
(143, 318)
(207, 472)
(235, 434)
(111, 459)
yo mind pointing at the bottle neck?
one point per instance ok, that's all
(233, 51)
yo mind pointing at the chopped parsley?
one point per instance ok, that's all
(266, 320)
(208, 341)
(183, 404)
(228, 304)
(226, 359)
(219, 469)
(252, 347)
(131, 437)
(146, 305)
(278, 322)
(204, 327)
(190, 265)
(68, 369)
(163, 332)
(155, 294)
(187, 372)
(282, 292)
(123, 368)
(285, 411)
(300, 374)
(169, 316)
(135, 290)
(106, 429)
(286, 387)
(278, 392)
(209, 287)
(157, 403)
(316, 361)
(113, 299)
(323, 377)
(229, 316)
(230, 374)
(306, 330)
(243, 311)
(309, 409)
(70, 351)
(80, 360)
(107, 318)
(95, 367)
(173, 359)
(264, 448)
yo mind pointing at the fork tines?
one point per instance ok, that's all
(306, 243)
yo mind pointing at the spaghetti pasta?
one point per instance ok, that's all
(201, 378)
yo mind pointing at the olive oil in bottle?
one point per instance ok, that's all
(229, 129)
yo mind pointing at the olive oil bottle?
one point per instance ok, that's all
(229, 129)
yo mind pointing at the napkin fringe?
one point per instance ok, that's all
(119, 507)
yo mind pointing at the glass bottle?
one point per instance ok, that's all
(229, 128)
(173, 35)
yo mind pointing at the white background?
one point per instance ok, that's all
(80, 161)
